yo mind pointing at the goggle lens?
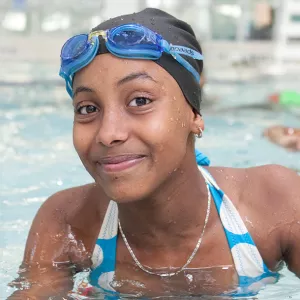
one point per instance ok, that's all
(126, 37)
(74, 47)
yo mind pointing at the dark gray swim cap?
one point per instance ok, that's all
(175, 32)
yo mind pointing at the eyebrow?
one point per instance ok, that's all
(134, 76)
(128, 78)
(82, 89)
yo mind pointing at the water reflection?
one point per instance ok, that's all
(193, 282)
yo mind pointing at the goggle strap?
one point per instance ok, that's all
(186, 65)
(165, 46)
(186, 51)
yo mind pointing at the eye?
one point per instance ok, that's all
(86, 109)
(139, 101)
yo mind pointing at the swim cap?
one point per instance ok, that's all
(174, 31)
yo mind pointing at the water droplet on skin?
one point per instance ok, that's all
(248, 221)
(226, 177)
(171, 119)
(190, 278)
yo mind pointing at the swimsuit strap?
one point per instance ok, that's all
(109, 226)
(251, 269)
(104, 255)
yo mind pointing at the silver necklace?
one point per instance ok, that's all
(190, 258)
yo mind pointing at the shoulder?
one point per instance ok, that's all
(63, 207)
(282, 193)
(278, 183)
(67, 211)
(277, 188)
(271, 182)
(67, 199)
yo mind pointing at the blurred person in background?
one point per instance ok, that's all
(284, 136)
(262, 27)
(287, 137)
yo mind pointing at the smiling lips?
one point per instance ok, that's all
(120, 162)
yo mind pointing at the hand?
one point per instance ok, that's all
(286, 137)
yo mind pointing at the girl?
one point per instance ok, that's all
(154, 223)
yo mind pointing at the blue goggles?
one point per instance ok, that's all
(131, 41)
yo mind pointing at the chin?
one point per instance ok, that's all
(124, 190)
(130, 185)
(125, 194)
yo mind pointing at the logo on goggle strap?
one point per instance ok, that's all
(182, 50)
(102, 33)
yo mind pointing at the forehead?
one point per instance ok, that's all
(107, 67)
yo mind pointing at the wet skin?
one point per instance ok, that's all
(134, 133)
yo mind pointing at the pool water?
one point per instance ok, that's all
(38, 159)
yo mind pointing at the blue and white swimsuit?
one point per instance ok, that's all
(252, 272)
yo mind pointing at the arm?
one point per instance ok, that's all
(46, 269)
(292, 253)
(284, 186)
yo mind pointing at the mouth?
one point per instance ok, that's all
(119, 163)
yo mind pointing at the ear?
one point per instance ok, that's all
(197, 123)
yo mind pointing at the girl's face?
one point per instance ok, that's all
(132, 125)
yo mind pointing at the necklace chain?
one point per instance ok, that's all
(189, 259)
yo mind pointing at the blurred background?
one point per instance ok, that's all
(252, 62)
(253, 32)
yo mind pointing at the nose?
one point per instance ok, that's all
(113, 129)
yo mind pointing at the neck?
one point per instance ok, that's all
(174, 213)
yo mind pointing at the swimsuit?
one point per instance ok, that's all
(253, 274)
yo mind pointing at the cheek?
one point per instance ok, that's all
(168, 136)
(83, 138)
(169, 127)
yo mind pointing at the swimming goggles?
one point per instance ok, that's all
(126, 41)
